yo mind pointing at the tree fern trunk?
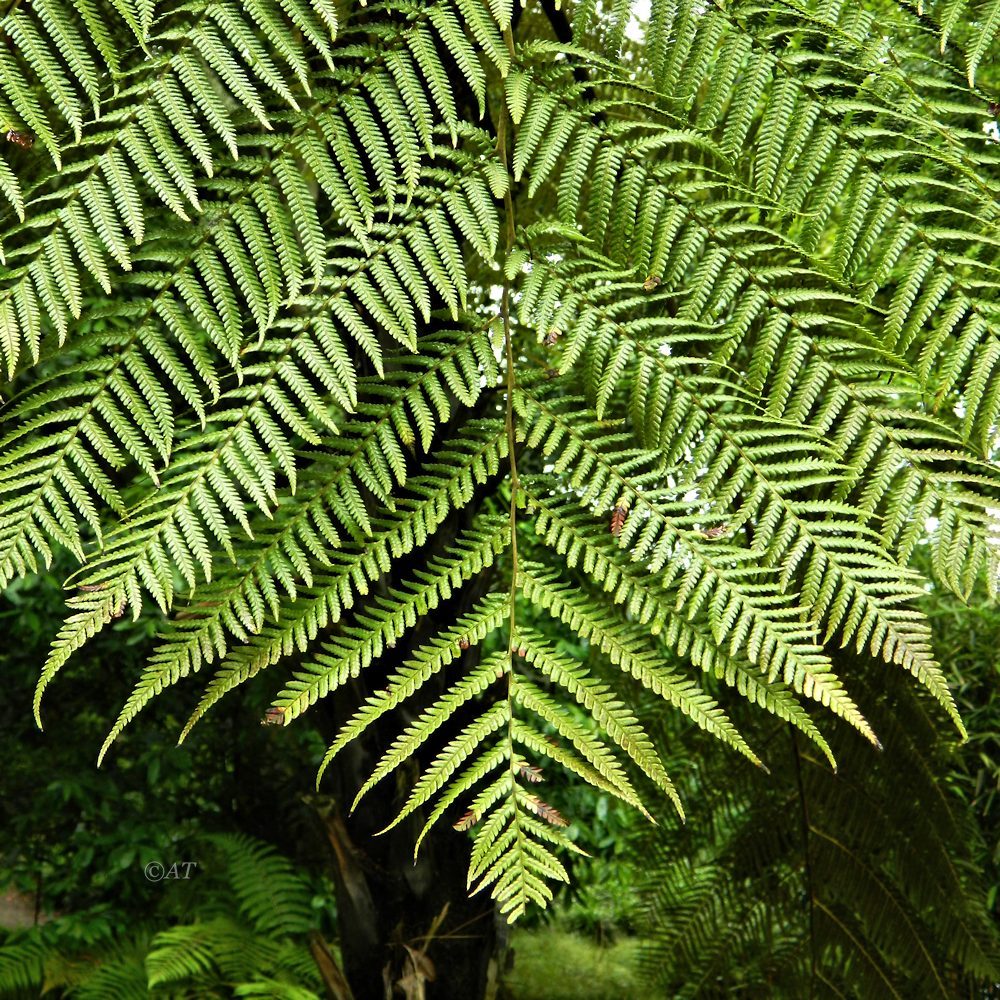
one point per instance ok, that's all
(409, 928)
(404, 926)
(387, 905)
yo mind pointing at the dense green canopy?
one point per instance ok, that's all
(489, 362)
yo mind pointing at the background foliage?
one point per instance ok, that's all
(475, 374)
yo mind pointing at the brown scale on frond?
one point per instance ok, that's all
(618, 517)
(463, 643)
(550, 814)
(552, 337)
(716, 531)
(467, 821)
(531, 773)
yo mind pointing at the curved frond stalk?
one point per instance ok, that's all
(684, 225)
(226, 468)
(304, 542)
(574, 535)
(385, 618)
(661, 533)
(626, 648)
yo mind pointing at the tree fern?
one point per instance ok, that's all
(810, 885)
(384, 349)
(249, 939)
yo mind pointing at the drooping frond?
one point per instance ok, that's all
(234, 461)
(811, 883)
(245, 603)
(147, 123)
(400, 359)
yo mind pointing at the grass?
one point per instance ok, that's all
(558, 965)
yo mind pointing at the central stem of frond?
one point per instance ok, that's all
(504, 136)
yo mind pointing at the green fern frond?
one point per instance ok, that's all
(22, 965)
(386, 618)
(226, 467)
(141, 141)
(252, 921)
(675, 339)
(573, 534)
(626, 648)
(271, 895)
(874, 926)
(670, 211)
(304, 542)
(58, 50)
(610, 714)
(661, 533)
(125, 980)
(445, 648)
(298, 624)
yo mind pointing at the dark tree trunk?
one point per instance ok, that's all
(409, 929)
(402, 925)
(406, 925)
